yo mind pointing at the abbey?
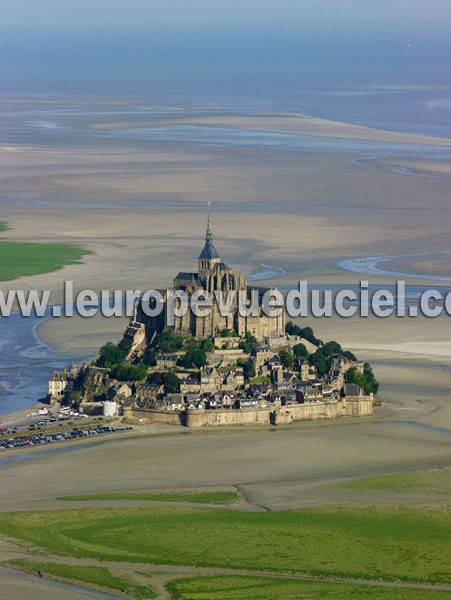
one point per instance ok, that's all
(213, 276)
(218, 367)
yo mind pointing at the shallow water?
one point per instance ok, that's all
(370, 266)
(50, 452)
(26, 363)
(36, 122)
(418, 425)
(238, 137)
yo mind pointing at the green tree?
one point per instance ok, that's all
(129, 372)
(73, 397)
(303, 332)
(227, 333)
(307, 334)
(300, 351)
(125, 345)
(331, 348)
(150, 357)
(249, 343)
(194, 357)
(291, 328)
(171, 382)
(207, 345)
(366, 380)
(249, 370)
(110, 354)
(318, 360)
(79, 383)
(286, 358)
(168, 341)
(373, 384)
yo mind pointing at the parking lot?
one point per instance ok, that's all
(44, 430)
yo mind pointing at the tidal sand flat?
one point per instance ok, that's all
(318, 138)
(136, 205)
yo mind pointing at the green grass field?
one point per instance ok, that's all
(431, 481)
(97, 576)
(18, 259)
(369, 543)
(271, 588)
(221, 497)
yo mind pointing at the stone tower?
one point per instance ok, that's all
(209, 256)
(213, 276)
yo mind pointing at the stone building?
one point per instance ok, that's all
(166, 361)
(261, 356)
(61, 382)
(58, 384)
(232, 377)
(214, 276)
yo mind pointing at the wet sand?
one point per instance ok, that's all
(141, 207)
(288, 456)
(293, 123)
(18, 586)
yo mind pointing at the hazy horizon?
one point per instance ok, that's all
(177, 13)
(220, 61)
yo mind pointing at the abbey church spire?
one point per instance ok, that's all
(209, 256)
(209, 234)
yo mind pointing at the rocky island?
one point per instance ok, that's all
(218, 369)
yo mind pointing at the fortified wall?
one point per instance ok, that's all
(150, 416)
(358, 406)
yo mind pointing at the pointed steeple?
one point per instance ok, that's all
(209, 233)
(209, 255)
